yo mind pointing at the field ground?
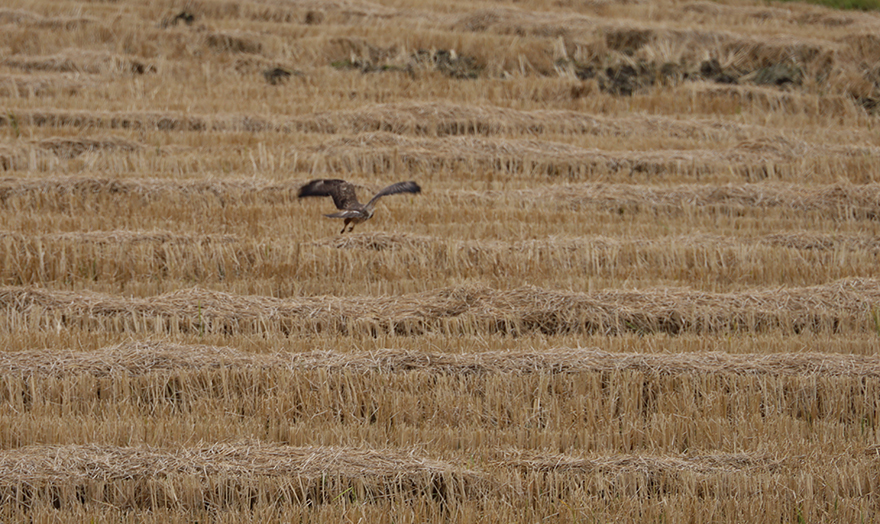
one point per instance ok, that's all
(641, 282)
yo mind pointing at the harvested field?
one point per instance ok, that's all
(641, 282)
(423, 397)
(260, 476)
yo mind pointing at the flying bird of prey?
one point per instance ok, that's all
(345, 199)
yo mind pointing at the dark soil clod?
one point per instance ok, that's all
(277, 75)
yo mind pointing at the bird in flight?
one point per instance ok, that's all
(345, 199)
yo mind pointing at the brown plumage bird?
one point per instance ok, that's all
(345, 199)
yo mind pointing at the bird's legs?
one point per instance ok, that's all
(350, 220)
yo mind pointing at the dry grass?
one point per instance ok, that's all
(568, 400)
(640, 283)
(152, 121)
(376, 152)
(435, 119)
(841, 307)
(414, 118)
(233, 476)
(848, 200)
(147, 263)
(34, 85)
(136, 359)
(442, 119)
(573, 397)
(77, 62)
(619, 420)
(853, 201)
(262, 476)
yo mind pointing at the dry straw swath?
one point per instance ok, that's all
(231, 476)
(143, 358)
(844, 306)
(221, 476)
(419, 119)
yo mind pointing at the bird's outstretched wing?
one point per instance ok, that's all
(342, 192)
(400, 187)
(347, 213)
